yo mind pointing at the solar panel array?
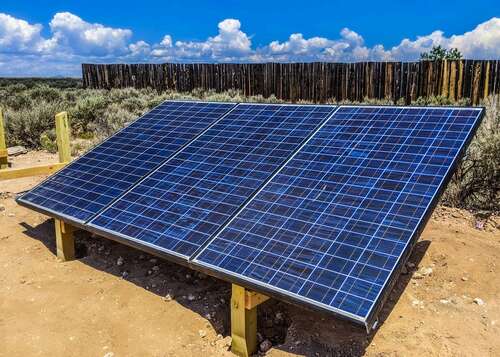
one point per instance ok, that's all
(331, 226)
(183, 203)
(316, 204)
(90, 183)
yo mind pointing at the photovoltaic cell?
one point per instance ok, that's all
(188, 198)
(90, 183)
(331, 226)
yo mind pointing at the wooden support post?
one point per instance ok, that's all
(65, 242)
(4, 163)
(63, 137)
(244, 320)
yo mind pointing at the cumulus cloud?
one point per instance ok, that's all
(25, 51)
(81, 37)
(231, 43)
(18, 35)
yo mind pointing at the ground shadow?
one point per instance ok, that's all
(289, 328)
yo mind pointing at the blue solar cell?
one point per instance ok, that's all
(331, 226)
(188, 198)
(90, 183)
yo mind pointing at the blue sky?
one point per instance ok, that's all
(54, 37)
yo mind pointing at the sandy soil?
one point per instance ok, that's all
(118, 301)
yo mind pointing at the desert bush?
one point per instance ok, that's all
(113, 118)
(25, 126)
(45, 93)
(476, 182)
(86, 111)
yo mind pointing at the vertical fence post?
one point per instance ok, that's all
(4, 159)
(65, 241)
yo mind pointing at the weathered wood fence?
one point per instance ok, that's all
(318, 81)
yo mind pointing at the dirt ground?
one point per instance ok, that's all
(117, 301)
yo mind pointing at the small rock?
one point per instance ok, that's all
(191, 297)
(2, 208)
(188, 276)
(404, 271)
(153, 285)
(11, 214)
(153, 260)
(150, 272)
(265, 345)
(417, 303)
(464, 278)
(444, 301)
(479, 301)
(119, 261)
(202, 333)
(426, 271)
(16, 150)
(109, 354)
(156, 268)
(278, 318)
(202, 276)
(124, 274)
(168, 297)
(208, 316)
(479, 225)
(142, 257)
(410, 265)
(259, 337)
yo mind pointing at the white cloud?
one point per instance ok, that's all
(231, 43)
(81, 37)
(25, 51)
(18, 35)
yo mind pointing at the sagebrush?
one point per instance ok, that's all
(30, 106)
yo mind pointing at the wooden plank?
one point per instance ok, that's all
(243, 324)
(65, 241)
(4, 157)
(15, 173)
(253, 299)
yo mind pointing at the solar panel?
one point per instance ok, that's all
(89, 184)
(332, 227)
(188, 198)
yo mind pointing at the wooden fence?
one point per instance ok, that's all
(317, 82)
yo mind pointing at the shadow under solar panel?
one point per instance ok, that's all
(90, 183)
(335, 223)
(183, 203)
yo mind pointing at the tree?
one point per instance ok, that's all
(440, 53)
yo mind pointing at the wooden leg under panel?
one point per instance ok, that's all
(65, 242)
(244, 320)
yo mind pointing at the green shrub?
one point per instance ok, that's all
(87, 110)
(476, 182)
(25, 126)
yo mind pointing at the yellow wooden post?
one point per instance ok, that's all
(63, 131)
(244, 320)
(65, 242)
(243, 324)
(4, 163)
